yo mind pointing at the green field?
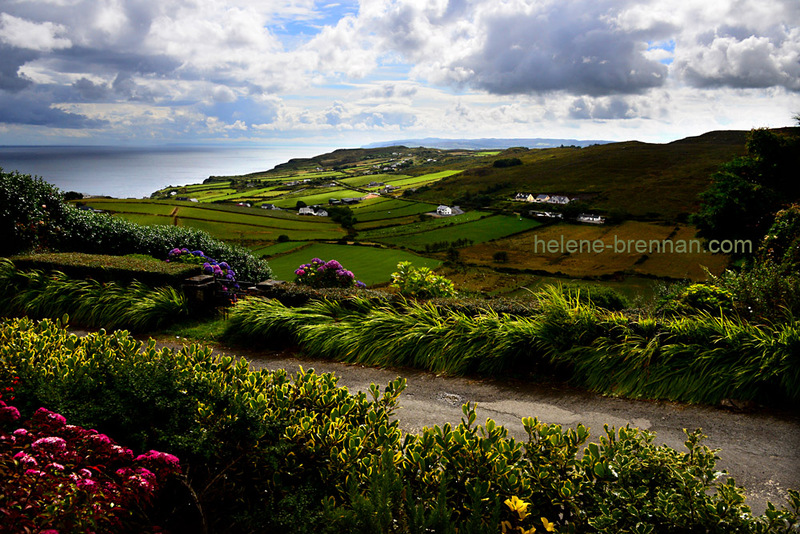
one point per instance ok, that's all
(479, 231)
(279, 248)
(421, 180)
(392, 209)
(418, 227)
(370, 265)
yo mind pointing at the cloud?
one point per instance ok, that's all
(177, 68)
(609, 108)
(11, 59)
(734, 57)
(21, 33)
(35, 109)
(513, 47)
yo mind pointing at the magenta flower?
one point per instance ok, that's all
(159, 458)
(51, 444)
(46, 416)
(25, 459)
(8, 414)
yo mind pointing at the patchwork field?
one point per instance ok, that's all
(480, 231)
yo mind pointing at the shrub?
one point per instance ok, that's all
(421, 282)
(762, 292)
(322, 274)
(781, 245)
(31, 212)
(67, 478)
(104, 268)
(700, 298)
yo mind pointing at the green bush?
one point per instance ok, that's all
(31, 212)
(266, 453)
(700, 298)
(421, 282)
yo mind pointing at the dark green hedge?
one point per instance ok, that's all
(104, 268)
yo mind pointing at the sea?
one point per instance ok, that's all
(136, 172)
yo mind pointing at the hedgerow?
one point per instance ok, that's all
(97, 233)
(703, 358)
(264, 452)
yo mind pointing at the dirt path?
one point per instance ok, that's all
(760, 449)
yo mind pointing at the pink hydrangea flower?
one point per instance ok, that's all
(8, 414)
(25, 459)
(51, 444)
(45, 415)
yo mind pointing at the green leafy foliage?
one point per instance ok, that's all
(421, 282)
(31, 212)
(746, 192)
(781, 245)
(101, 267)
(700, 298)
(268, 453)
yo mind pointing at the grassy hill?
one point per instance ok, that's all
(654, 181)
(648, 189)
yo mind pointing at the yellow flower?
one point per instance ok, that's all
(518, 505)
(505, 526)
(548, 526)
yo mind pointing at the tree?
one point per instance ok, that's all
(747, 191)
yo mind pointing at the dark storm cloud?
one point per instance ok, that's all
(33, 108)
(11, 59)
(570, 48)
(82, 59)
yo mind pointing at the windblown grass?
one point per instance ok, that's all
(88, 302)
(703, 359)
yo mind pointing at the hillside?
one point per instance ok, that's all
(654, 181)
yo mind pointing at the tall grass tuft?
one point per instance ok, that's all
(703, 358)
(88, 302)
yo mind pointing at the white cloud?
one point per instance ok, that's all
(42, 37)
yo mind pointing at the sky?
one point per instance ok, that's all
(348, 73)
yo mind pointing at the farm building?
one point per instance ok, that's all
(591, 218)
(312, 210)
(444, 210)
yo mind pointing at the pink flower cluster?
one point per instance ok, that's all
(329, 273)
(96, 482)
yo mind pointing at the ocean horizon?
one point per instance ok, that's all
(137, 172)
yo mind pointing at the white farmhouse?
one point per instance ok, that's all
(444, 210)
